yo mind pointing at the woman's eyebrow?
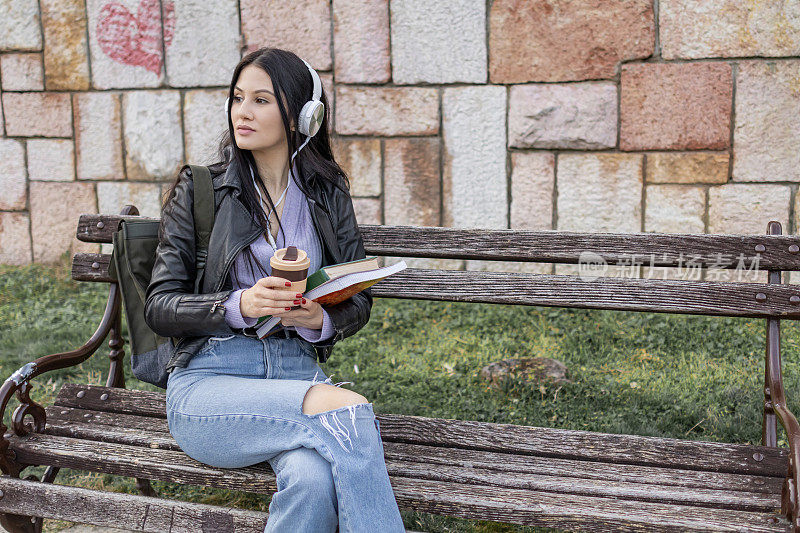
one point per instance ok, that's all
(257, 91)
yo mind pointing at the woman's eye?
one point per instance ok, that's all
(237, 98)
(261, 101)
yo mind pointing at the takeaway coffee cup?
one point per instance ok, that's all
(292, 264)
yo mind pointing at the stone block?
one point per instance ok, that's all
(624, 268)
(98, 136)
(599, 193)
(15, 239)
(302, 27)
(126, 42)
(51, 159)
(193, 62)
(575, 115)
(411, 172)
(112, 197)
(19, 25)
(22, 72)
(66, 63)
(675, 106)
(745, 208)
(431, 45)
(153, 136)
(204, 124)
(532, 183)
(361, 41)
(368, 210)
(687, 271)
(766, 137)
(689, 167)
(55, 210)
(474, 183)
(361, 161)
(12, 180)
(482, 265)
(37, 114)
(729, 28)
(675, 209)
(387, 111)
(425, 262)
(572, 40)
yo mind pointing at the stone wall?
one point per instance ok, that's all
(599, 115)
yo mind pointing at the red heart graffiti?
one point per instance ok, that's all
(136, 39)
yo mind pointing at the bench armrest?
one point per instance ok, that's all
(18, 382)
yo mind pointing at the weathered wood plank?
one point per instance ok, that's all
(131, 401)
(495, 474)
(442, 497)
(91, 267)
(571, 512)
(153, 432)
(574, 444)
(656, 249)
(510, 438)
(622, 294)
(129, 511)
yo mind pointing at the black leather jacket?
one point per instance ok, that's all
(173, 310)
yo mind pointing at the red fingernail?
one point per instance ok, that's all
(296, 302)
(304, 300)
(288, 308)
(288, 283)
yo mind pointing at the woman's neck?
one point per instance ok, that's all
(273, 167)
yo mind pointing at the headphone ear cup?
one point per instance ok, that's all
(311, 117)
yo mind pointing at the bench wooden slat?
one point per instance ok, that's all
(667, 249)
(622, 294)
(487, 473)
(154, 432)
(513, 505)
(511, 438)
(131, 511)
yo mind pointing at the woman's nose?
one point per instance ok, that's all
(244, 110)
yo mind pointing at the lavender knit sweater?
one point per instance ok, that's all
(299, 228)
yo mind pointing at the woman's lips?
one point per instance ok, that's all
(244, 130)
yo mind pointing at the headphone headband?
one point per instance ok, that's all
(317, 83)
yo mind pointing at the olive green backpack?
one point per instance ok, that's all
(131, 266)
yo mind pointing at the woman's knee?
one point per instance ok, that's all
(323, 397)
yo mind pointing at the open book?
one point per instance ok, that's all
(335, 283)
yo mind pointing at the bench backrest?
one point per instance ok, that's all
(772, 252)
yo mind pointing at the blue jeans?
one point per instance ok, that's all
(239, 402)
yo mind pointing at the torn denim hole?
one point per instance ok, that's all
(337, 429)
(340, 432)
(329, 381)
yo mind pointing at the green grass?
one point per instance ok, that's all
(680, 376)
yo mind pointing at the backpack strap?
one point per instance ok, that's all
(203, 217)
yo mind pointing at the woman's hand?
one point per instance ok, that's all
(270, 296)
(308, 316)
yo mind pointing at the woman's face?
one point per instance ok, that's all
(257, 123)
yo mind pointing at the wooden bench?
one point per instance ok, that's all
(477, 470)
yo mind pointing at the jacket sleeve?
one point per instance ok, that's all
(352, 314)
(171, 307)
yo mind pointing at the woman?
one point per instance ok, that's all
(233, 399)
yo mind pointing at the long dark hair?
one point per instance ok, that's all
(293, 87)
